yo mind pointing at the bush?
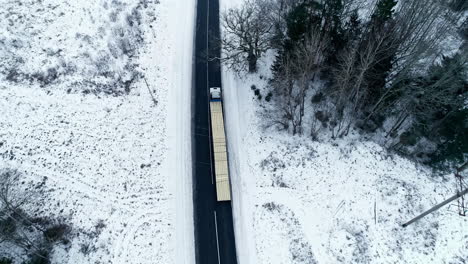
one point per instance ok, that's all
(458, 5)
(7, 227)
(39, 257)
(464, 30)
(317, 98)
(6, 261)
(272, 206)
(323, 117)
(23, 232)
(268, 97)
(56, 232)
(258, 94)
(408, 138)
(86, 248)
(453, 142)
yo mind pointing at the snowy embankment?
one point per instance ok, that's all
(75, 115)
(343, 201)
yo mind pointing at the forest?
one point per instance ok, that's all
(394, 72)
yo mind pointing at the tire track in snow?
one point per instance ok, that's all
(290, 227)
(289, 199)
(102, 196)
(123, 250)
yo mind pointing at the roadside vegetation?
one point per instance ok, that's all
(391, 71)
(25, 236)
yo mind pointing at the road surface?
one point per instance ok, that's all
(214, 234)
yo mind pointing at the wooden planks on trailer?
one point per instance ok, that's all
(223, 190)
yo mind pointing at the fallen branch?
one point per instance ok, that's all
(150, 92)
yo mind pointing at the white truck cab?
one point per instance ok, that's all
(215, 93)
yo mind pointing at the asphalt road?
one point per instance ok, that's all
(214, 234)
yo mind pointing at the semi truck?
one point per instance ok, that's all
(221, 168)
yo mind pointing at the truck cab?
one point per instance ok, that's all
(215, 93)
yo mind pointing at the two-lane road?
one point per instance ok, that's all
(214, 235)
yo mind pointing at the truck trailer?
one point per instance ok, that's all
(221, 169)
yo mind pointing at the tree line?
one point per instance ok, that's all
(378, 68)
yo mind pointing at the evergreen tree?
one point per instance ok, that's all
(277, 66)
(300, 21)
(437, 105)
(380, 26)
(384, 10)
(332, 11)
(453, 145)
(458, 5)
(353, 27)
(449, 118)
(332, 27)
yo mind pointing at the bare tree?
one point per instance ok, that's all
(17, 227)
(286, 98)
(419, 28)
(308, 62)
(408, 41)
(372, 73)
(246, 35)
(344, 77)
(437, 93)
(351, 89)
(295, 77)
(13, 219)
(276, 13)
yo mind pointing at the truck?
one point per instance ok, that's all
(221, 168)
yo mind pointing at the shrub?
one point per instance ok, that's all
(6, 261)
(86, 248)
(271, 206)
(56, 232)
(39, 257)
(258, 94)
(408, 138)
(458, 5)
(7, 227)
(322, 117)
(317, 98)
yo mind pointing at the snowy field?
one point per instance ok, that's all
(300, 201)
(76, 113)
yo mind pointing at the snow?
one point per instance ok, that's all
(118, 168)
(340, 201)
(321, 195)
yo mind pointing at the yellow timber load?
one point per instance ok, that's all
(223, 190)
